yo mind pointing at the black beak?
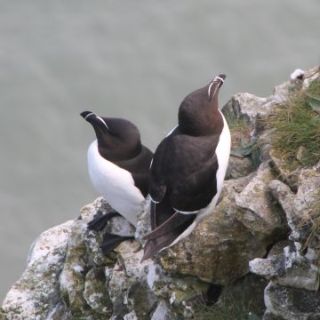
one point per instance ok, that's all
(215, 84)
(86, 114)
(97, 122)
(221, 77)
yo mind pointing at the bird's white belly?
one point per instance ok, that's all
(115, 184)
(223, 154)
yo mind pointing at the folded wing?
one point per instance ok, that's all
(183, 181)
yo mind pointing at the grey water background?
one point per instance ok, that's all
(133, 59)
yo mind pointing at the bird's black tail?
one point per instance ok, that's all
(164, 233)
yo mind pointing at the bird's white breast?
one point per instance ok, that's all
(115, 184)
(223, 154)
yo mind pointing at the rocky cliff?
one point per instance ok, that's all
(256, 256)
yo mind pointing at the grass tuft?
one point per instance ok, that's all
(227, 309)
(243, 300)
(297, 125)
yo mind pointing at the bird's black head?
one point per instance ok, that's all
(118, 139)
(199, 111)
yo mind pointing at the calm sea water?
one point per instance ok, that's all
(133, 59)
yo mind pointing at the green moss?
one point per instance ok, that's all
(297, 126)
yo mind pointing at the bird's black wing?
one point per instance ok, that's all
(196, 190)
(183, 177)
(138, 166)
(158, 187)
(184, 171)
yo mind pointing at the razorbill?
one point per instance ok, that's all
(118, 166)
(188, 169)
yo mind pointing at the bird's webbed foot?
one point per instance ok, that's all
(100, 220)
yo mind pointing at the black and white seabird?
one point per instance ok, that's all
(188, 169)
(118, 166)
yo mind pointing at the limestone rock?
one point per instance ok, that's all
(117, 225)
(59, 312)
(239, 167)
(267, 268)
(247, 116)
(285, 197)
(264, 141)
(255, 110)
(73, 274)
(295, 271)
(144, 287)
(298, 79)
(220, 248)
(260, 213)
(144, 223)
(241, 161)
(302, 208)
(95, 292)
(288, 269)
(281, 92)
(162, 312)
(245, 105)
(36, 293)
(87, 284)
(248, 119)
(288, 173)
(69, 278)
(310, 75)
(298, 195)
(292, 303)
(307, 203)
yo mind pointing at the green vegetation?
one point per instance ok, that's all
(297, 124)
(243, 300)
(227, 309)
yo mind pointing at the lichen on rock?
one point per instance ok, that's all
(220, 248)
(294, 272)
(37, 291)
(291, 303)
